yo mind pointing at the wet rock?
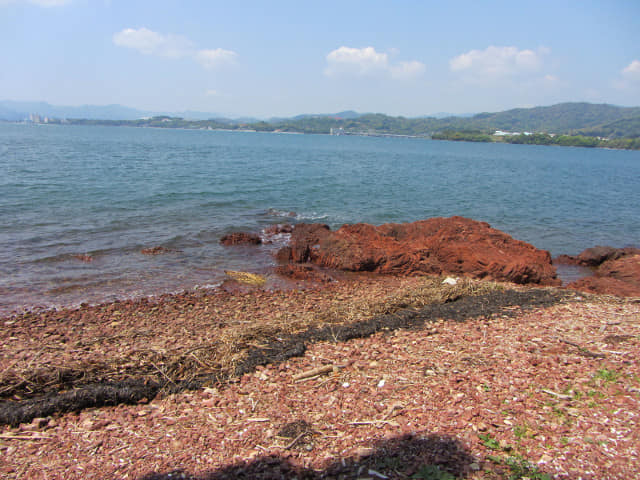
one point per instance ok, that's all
(241, 238)
(596, 256)
(305, 237)
(453, 245)
(156, 251)
(278, 229)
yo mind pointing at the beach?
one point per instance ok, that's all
(545, 381)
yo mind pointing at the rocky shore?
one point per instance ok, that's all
(441, 347)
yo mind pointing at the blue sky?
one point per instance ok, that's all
(283, 58)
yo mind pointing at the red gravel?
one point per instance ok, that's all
(557, 387)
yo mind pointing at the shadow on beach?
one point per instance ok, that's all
(429, 456)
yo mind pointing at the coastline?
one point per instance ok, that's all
(465, 365)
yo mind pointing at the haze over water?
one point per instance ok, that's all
(111, 191)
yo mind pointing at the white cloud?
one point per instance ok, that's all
(149, 42)
(214, 58)
(498, 62)
(357, 61)
(348, 61)
(632, 71)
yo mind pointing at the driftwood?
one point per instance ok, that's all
(583, 351)
(316, 372)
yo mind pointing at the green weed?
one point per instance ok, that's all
(433, 472)
(489, 442)
(606, 375)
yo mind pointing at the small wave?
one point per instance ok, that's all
(274, 212)
(207, 286)
(311, 216)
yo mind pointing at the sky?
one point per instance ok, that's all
(283, 58)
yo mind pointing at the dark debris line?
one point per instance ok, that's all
(134, 391)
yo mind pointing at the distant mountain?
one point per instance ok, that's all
(106, 112)
(17, 111)
(10, 114)
(346, 115)
(448, 115)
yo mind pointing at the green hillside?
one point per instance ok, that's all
(597, 125)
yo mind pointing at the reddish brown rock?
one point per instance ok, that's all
(453, 245)
(278, 229)
(241, 238)
(605, 286)
(156, 251)
(304, 238)
(626, 269)
(618, 272)
(303, 272)
(596, 256)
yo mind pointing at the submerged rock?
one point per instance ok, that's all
(241, 238)
(455, 245)
(156, 251)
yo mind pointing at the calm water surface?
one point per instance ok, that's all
(111, 191)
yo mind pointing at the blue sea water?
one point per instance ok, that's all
(111, 191)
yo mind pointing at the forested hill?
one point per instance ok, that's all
(595, 120)
(561, 118)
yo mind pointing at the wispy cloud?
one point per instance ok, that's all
(149, 42)
(496, 63)
(40, 3)
(214, 58)
(629, 78)
(349, 61)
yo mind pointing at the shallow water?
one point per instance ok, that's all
(111, 191)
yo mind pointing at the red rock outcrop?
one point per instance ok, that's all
(453, 245)
(241, 238)
(619, 276)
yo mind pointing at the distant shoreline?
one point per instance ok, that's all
(544, 139)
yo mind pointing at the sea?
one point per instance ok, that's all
(78, 204)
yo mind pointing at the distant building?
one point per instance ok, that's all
(501, 133)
